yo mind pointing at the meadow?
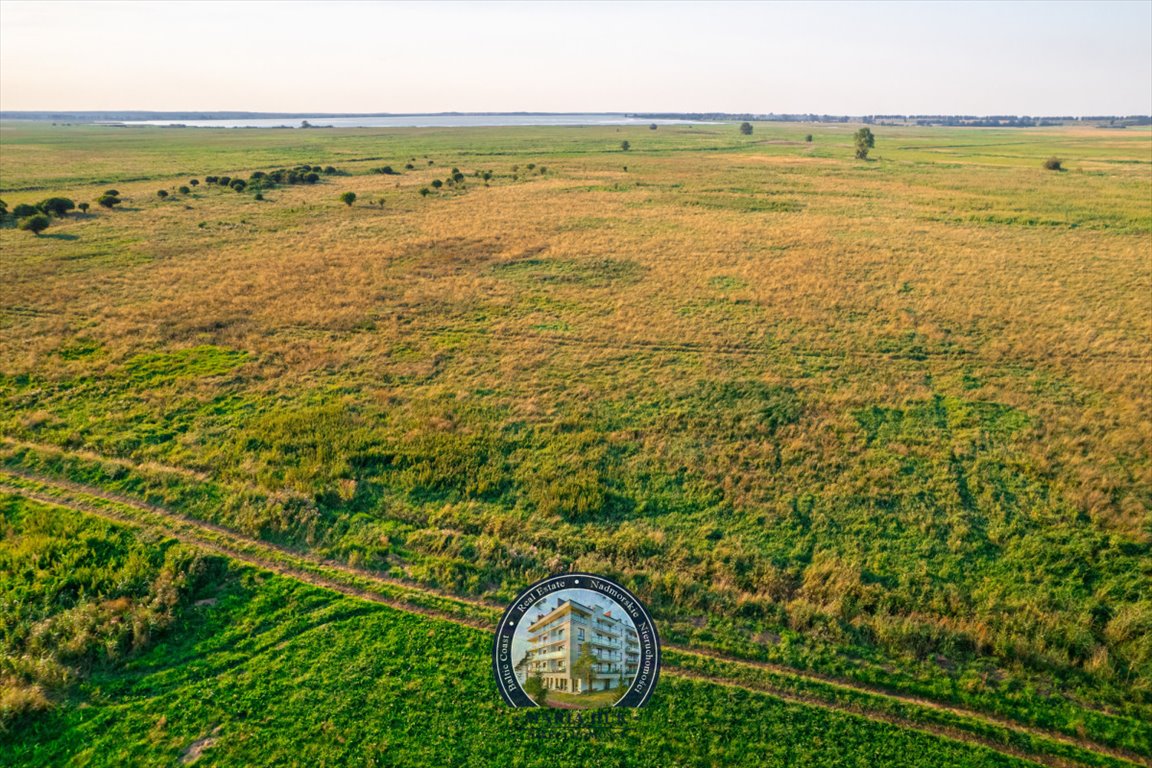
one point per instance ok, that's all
(882, 421)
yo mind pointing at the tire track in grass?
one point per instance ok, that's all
(483, 615)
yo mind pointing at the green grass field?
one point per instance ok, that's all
(883, 422)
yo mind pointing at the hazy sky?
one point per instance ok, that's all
(828, 57)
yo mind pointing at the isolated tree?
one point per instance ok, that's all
(348, 198)
(35, 224)
(436, 183)
(624, 146)
(163, 193)
(808, 138)
(193, 182)
(83, 207)
(746, 129)
(184, 190)
(1054, 164)
(56, 206)
(585, 666)
(864, 142)
(653, 127)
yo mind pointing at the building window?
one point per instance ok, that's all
(579, 634)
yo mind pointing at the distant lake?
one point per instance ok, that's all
(416, 121)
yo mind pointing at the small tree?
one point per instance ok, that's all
(436, 183)
(184, 190)
(624, 146)
(1054, 164)
(424, 191)
(348, 198)
(163, 193)
(746, 128)
(111, 193)
(35, 224)
(585, 666)
(108, 201)
(83, 207)
(864, 142)
(808, 138)
(193, 182)
(653, 127)
(534, 687)
(56, 206)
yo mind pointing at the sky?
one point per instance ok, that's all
(828, 57)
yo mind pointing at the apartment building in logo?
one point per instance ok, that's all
(578, 647)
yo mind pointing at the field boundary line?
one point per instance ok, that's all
(482, 615)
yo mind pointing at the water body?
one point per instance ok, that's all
(418, 121)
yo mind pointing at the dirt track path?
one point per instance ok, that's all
(483, 615)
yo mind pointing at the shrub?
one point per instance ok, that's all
(162, 194)
(35, 224)
(457, 177)
(328, 170)
(210, 179)
(487, 175)
(1054, 164)
(56, 206)
(624, 146)
(111, 193)
(311, 178)
(184, 190)
(257, 175)
(259, 195)
(348, 198)
(225, 181)
(746, 129)
(424, 191)
(653, 127)
(386, 170)
(238, 184)
(530, 166)
(409, 167)
(108, 201)
(808, 138)
(23, 209)
(543, 170)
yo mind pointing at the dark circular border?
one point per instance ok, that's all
(502, 665)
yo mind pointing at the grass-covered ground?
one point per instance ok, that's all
(885, 420)
(257, 670)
